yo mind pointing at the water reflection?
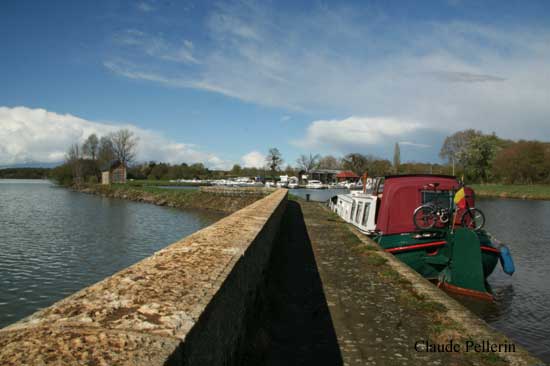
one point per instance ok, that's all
(521, 302)
(318, 195)
(55, 242)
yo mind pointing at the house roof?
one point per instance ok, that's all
(347, 174)
(325, 171)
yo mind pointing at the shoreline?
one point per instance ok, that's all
(182, 199)
(536, 192)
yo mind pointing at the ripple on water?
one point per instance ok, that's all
(521, 310)
(55, 242)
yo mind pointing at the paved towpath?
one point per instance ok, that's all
(333, 300)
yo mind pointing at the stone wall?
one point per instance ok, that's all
(188, 304)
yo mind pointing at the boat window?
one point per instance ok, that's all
(366, 214)
(440, 198)
(352, 211)
(359, 209)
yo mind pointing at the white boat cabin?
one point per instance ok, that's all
(357, 208)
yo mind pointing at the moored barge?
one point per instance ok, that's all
(416, 218)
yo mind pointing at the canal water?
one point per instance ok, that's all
(522, 307)
(319, 195)
(54, 242)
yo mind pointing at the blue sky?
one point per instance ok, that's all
(221, 82)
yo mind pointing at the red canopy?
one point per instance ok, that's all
(403, 194)
(346, 174)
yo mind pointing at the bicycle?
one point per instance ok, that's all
(427, 216)
(472, 218)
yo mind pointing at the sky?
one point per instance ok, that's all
(222, 82)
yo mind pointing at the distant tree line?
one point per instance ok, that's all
(24, 173)
(478, 157)
(487, 158)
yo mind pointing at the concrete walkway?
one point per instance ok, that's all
(373, 321)
(333, 300)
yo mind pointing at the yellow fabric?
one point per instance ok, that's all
(459, 196)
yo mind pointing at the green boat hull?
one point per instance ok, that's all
(460, 260)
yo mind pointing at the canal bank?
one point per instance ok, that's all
(204, 198)
(334, 298)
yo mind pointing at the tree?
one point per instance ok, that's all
(124, 145)
(105, 152)
(357, 163)
(455, 147)
(329, 162)
(74, 161)
(290, 171)
(361, 164)
(197, 170)
(308, 163)
(91, 146)
(524, 162)
(378, 167)
(479, 155)
(396, 158)
(236, 170)
(274, 160)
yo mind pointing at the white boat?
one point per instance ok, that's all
(357, 208)
(293, 182)
(342, 184)
(314, 184)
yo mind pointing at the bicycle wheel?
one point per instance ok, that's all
(473, 218)
(424, 217)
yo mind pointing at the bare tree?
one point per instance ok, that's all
(105, 153)
(329, 162)
(308, 163)
(124, 145)
(91, 146)
(74, 160)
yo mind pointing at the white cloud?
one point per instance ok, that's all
(355, 131)
(414, 144)
(180, 51)
(38, 135)
(253, 159)
(344, 62)
(285, 118)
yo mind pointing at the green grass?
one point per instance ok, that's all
(161, 183)
(293, 197)
(375, 260)
(523, 191)
(181, 198)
